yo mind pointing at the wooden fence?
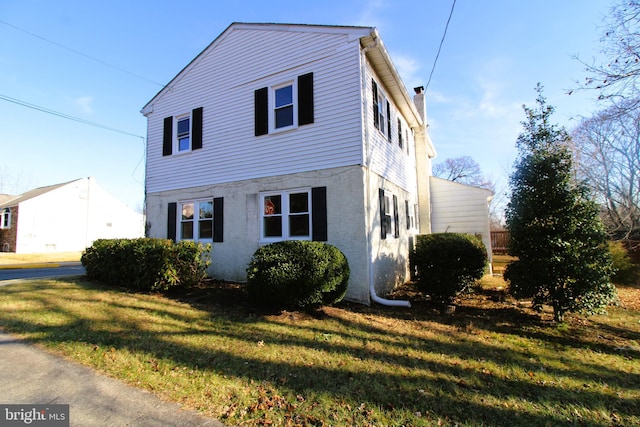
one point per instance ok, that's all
(499, 240)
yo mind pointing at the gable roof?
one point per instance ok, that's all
(479, 190)
(369, 39)
(16, 200)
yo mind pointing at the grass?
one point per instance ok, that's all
(492, 363)
(13, 258)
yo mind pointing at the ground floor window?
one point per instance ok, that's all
(286, 215)
(389, 219)
(196, 220)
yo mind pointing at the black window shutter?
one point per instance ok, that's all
(305, 99)
(262, 111)
(196, 129)
(167, 137)
(383, 216)
(406, 206)
(172, 221)
(396, 217)
(388, 121)
(376, 116)
(218, 219)
(319, 214)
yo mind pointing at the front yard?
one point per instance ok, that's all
(492, 363)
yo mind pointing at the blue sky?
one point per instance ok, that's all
(494, 54)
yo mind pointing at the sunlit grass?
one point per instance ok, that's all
(12, 258)
(490, 364)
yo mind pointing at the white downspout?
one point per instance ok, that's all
(372, 290)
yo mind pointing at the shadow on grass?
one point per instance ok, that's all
(358, 359)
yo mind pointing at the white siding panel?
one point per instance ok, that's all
(388, 159)
(458, 208)
(223, 82)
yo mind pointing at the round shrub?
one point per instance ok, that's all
(446, 263)
(297, 274)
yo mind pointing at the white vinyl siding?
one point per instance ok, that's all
(388, 158)
(233, 68)
(459, 208)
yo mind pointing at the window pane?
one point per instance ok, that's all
(273, 226)
(183, 126)
(205, 229)
(284, 96)
(284, 117)
(299, 225)
(186, 230)
(187, 211)
(299, 202)
(184, 144)
(272, 205)
(205, 210)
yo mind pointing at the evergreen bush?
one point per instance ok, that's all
(146, 264)
(447, 263)
(297, 274)
(626, 272)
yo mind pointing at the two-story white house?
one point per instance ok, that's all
(278, 132)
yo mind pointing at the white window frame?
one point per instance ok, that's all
(388, 212)
(195, 220)
(5, 218)
(284, 215)
(176, 135)
(381, 108)
(272, 105)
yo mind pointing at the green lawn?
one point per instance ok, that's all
(12, 258)
(492, 363)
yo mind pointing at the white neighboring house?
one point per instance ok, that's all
(461, 208)
(65, 217)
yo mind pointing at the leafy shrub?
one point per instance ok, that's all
(625, 270)
(446, 263)
(299, 274)
(146, 264)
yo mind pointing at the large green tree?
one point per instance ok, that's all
(556, 234)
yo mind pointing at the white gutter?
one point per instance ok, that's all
(367, 160)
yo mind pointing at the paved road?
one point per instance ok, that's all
(62, 269)
(29, 375)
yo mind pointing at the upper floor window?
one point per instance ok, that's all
(284, 112)
(381, 110)
(182, 133)
(5, 218)
(284, 106)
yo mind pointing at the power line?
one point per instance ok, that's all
(441, 42)
(84, 55)
(66, 116)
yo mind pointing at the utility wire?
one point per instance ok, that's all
(84, 55)
(441, 42)
(66, 116)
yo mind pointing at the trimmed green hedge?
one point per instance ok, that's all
(146, 264)
(297, 274)
(446, 263)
